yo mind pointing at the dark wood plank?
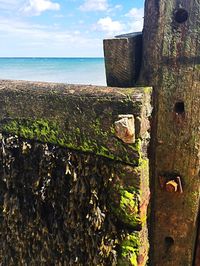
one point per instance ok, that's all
(123, 59)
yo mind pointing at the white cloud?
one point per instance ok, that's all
(7, 3)
(136, 13)
(118, 7)
(112, 10)
(24, 30)
(36, 7)
(29, 37)
(136, 19)
(113, 27)
(94, 5)
(109, 26)
(10, 5)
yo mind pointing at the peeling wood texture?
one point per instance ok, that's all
(171, 64)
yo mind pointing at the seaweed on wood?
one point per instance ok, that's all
(56, 208)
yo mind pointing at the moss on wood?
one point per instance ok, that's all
(129, 250)
(83, 115)
(126, 207)
(50, 192)
(77, 118)
(52, 132)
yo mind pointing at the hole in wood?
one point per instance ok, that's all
(179, 108)
(169, 241)
(181, 15)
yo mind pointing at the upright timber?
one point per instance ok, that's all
(171, 64)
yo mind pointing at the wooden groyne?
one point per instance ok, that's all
(74, 174)
(170, 64)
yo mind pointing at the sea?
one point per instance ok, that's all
(62, 70)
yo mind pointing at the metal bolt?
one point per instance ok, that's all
(171, 186)
(125, 128)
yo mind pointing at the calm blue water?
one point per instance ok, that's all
(67, 70)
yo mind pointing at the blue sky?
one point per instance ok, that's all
(64, 28)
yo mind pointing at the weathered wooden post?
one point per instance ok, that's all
(171, 64)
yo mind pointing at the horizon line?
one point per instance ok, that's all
(73, 57)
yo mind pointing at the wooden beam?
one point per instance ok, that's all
(123, 59)
(171, 65)
(78, 117)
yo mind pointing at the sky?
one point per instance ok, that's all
(64, 28)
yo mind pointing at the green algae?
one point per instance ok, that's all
(197, 66)
(126, 198)
(92, 140)
(143, 90)
(129, 250)
(129, 208)
(41, 129)
(126, 206)
(148, 90)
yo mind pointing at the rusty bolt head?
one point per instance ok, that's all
(171, 186)
(125, 128)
